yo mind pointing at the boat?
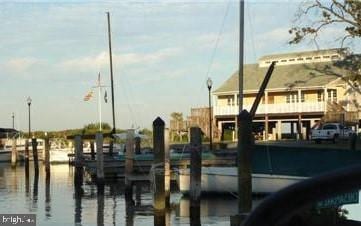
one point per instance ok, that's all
(225, 180)
(59, 155)
(5, 155)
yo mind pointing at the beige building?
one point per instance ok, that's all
(305, 87)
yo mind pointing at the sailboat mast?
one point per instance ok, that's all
(111, 70)
(100, 103)
(241, 50)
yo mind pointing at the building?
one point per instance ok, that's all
(305, 88)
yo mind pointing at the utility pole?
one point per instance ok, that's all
(111, 70)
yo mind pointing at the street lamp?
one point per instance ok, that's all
(29, 103)
(209, 85)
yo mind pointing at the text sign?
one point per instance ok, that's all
(347, 198)
(18, 219)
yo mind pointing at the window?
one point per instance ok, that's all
(317, 58)
(334, 57)
(283, 60)
(302, 97)
(326, 57)
(331, 127)
(292, 98)
(319, 96)
(299, 59)
(308, 58)
(291, 60)
(332, 95)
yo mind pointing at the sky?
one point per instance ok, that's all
(163, 53)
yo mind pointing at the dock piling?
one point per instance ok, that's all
(35, 155)
(195, 175)
(92, 150)
(244, 158)
(47, 154)
(137, 145)
(27, 151)
(158, 164)
(100, 158)
(78, 144)
(14, 153)
(129, 160)
(166, 168)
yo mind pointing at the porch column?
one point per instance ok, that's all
(266, 115)
(235, 138)
(235, 99)
(325, 98)
(299, 126)
(279, 130)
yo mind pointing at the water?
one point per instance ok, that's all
(56, 201)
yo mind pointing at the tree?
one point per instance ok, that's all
(176, 124)
(346, 14)
(341, 14)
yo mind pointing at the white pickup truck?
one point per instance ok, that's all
(331, 131)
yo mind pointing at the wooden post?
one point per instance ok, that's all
(14, 153)
(158, 147)
(245, 146)
(195, 164)
(100, 201)
(35, 155)
(137, 145)
(100, 158)
(27, 151)
(111, 147)
(47, 154)
(78, 144)
(195, 175)
(78, 193)
(47, 193)
(92, 150)
(129, 158)
(166, 168)
(353, 141)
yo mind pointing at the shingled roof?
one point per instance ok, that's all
(283, 77)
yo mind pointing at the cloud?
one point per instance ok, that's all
(126, 59)
(20, 65)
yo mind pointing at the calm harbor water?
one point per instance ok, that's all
(56, 202)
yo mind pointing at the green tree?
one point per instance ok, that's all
(314, 16)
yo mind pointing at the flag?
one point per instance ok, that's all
(88, 96)
(106, 97)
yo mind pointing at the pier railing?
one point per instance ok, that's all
(281, 206)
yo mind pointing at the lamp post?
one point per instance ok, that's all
(29, 104)
(209, 85)
(13, 117)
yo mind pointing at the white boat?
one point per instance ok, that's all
(5, 155)
(225, 180)
(59, 155)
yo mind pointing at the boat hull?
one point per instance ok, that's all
(225, 180)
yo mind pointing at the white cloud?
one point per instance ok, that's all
(20, 65)
(126, 59)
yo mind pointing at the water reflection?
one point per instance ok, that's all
(47, 195)
(67, 198)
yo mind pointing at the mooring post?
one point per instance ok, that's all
(111, 147)
(78, 145)
(35, 155)
(166, 168)
(78, 193)
(158, 149)
(14, 153)
(27, 151)
(47, 154)
(244, 157)
(100, 203)
(353, 141)
(92, 150)
(195, 175)
(137, 145)
(100, 158)
(129, 161)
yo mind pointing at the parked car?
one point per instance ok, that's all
(331, 131)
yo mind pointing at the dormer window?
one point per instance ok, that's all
(299, 59)
(291, 59)
(308, 58)
(283, 60)
(317, 57)
(326, 57)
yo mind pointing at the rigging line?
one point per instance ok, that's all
(137, 114)
(248, 8)
(127, 99)
(211, 60)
